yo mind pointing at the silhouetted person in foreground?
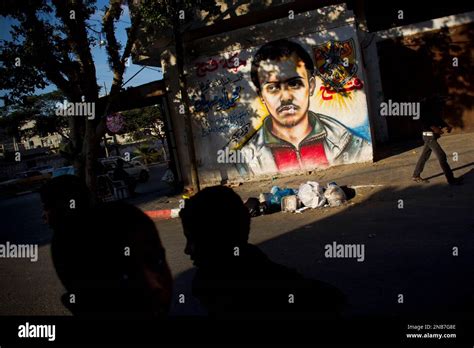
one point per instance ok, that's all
(433, 126)
(109, 258)
(234, 279)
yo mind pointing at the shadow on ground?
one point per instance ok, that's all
(454, 170)
(143, 198)
(410, 236)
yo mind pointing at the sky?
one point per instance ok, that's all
(103, 72)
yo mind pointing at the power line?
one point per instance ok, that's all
(139, 71)
(153, 69)
(94, 30)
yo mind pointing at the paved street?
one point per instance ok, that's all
(32, 287)
(407, 251)
(154, 184)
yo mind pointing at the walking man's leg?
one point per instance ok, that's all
(420, 165)
(443, 162)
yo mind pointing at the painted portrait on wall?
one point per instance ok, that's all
(292, 137)
(289, 105)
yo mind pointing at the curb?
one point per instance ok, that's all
(23, 193)
(163, 214)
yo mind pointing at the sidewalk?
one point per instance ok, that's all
(392, 171)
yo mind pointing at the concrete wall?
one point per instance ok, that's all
(373, 84)
(417, 60)
(229, 114)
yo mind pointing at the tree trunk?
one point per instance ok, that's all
(90, 151)
(77, 141)
(185, 99)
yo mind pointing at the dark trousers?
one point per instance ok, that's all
(431, 145)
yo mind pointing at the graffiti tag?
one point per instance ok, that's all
(233, 63)
(205, 86)
(223, 102)
(239, 134)
(335, 62)
(224, 124)
(327, 92)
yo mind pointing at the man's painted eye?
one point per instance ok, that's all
(295, 84)
(272, 88)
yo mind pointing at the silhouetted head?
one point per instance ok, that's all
(114, 264)
(65, 199)
(215, 221)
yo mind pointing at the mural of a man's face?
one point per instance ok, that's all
(285, 89)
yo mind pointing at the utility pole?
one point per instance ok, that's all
(184, 97)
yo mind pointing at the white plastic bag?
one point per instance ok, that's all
(334, 195)
(311, 194)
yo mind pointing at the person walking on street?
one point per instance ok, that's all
(433, 127)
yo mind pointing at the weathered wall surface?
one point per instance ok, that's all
(235, 123)
(429, 58)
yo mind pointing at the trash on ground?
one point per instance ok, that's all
(335, 195)
(290, 203)
(253, 206)
(311, 194)
(300, 210)
(265, 197)
(278, 194)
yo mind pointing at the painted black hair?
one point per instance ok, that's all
(276, 50)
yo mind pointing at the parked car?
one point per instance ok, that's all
(7, 184)
(140, 159)
(134, 168)
(29, 180)
(44, 169)
(69, 170)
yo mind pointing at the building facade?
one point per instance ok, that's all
(240, 131)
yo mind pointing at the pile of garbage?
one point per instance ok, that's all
(309, 195)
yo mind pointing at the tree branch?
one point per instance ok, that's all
(79, 43)
(113, 47)
(132, 35)
(51, 66)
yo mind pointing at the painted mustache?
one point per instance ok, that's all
(290, 107)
